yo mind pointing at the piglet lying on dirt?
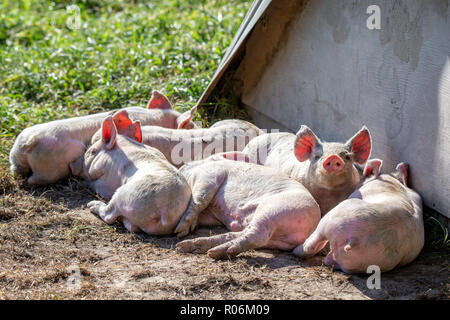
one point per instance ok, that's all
(45, 150)
(379, 224)
(183, 146)
(326, 169)
(146, 192)
(261, 207)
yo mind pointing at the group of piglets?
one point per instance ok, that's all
(161, 174)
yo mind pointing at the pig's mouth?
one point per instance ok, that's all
(333, 180)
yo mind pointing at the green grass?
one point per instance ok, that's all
(122, 51)
(436, 231)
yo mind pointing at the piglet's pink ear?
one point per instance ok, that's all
(360, 145)
(184, 120)
(373, 167)
(109, 132)
(304, 143)
(136, 127)
(126, 126)
(159, 101)
(402, 168)
(121, 120)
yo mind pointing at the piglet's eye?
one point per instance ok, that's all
(316, 157)
(347, 157)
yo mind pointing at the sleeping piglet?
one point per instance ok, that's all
(147, 193)
(261, 207)
(45, 150)
(379, 224)
(183, 146)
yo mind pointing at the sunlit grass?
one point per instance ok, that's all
(122, 51)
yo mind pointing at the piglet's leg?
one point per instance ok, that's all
(203, 244)
(203, 193)
(315, 242)
(253, 237)
(106, 212)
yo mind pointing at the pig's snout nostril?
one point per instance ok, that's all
(333, 164)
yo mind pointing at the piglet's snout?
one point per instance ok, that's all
(76, 167)
(333, 164)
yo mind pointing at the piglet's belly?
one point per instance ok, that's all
(233, 218)
(232, 222)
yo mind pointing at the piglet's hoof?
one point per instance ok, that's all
(221, 252)
(299, 252)
(186, 246)
(199, 245)
(95, 206)
(183, 229)
(186, 225)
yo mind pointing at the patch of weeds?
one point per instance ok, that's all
(224, 104)
(436, 230)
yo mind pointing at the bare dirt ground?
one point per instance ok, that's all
(45, 231)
